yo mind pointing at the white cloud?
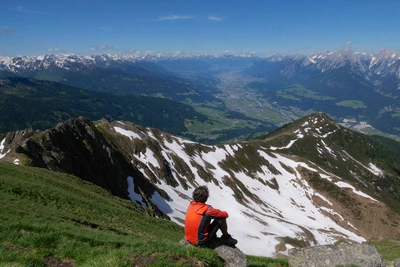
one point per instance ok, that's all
(58, 49)
(215, 18)
(106, 29)
(347, 44)
(100, 47)
(24, 9)
(174, 17)
(53, 50)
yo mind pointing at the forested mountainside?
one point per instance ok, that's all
(31, 103)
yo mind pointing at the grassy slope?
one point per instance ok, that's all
(54, 219)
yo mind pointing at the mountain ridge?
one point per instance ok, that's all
(336, 58)
(384, 63)
(363, 63)
(297, 189)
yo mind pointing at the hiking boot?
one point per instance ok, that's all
(228, 240)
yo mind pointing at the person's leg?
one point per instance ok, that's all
(223, 226)
(226, 237)
(213, 229)
(212, 235)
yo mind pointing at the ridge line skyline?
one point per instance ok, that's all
(194, 54)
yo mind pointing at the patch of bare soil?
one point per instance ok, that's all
(359, 214)
(376, 219)
(11, 246)
(56, 262)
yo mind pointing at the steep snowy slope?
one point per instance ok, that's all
(297, 188)
(267, 207)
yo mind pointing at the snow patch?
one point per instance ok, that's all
(375, 169)
(127, 133)
(148, 158)
(135, 197)
(287, 146)
(326, 135)
(332, 152)
(323, 198)
(346, 185)
(175, 207)
(312, 59)
(371, 167)
(150, 133)
(2, 154)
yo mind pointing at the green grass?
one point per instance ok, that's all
(396, 114)
(352, 104)
(389, 249)
(218, 120)
(287, 95)
(48, 215)
(267, 262)
(292, 92)
(306, 93)
(50, 219)
(257, 108)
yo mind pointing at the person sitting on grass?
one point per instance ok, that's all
(198, 227)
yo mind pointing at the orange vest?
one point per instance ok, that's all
(197, 221)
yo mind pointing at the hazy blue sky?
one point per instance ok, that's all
(37, 27)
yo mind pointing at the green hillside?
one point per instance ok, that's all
(134, 79)
(30, 103)
(54, 219)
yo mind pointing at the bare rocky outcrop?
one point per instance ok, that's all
(232, 256)
(344, 254)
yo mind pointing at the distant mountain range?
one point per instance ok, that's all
(105, 73)
(310, 182)
(345, 84)
(382, 63)
(356, 89)
(380, 70)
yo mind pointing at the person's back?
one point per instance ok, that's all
(198, 229)
(194, 216)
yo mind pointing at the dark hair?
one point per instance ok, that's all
(200, 194)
